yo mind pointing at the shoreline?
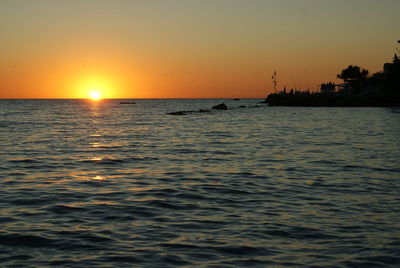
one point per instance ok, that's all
(332, 100)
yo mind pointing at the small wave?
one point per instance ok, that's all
(104, 161)
(382, 259)
(218, 134)
(247, 262)
(95, 238)
(7, 219)
(24, 160)
(244, 174)
(140, 211)
(174, 260)
(300, 233)
(244, 250)
(29, 201)
(223, 153)
(19, 257)
(213, 159)
(170, 205)
(119, 259)
(19, 240)
(62, 209)
(224, 191)
(190, 196)
(136, 159)
(119, 218)
(230, 191)
(325, 162)
(187, 151)
(85, 236)
(182, 246)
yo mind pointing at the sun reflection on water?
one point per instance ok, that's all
(95, 144)
(99, 178)
(96, 158)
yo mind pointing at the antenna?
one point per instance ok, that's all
(274, 82)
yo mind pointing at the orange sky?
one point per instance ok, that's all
(185, 48)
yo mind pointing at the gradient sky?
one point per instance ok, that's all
(187, 48)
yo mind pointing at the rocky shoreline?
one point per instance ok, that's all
(332, 100)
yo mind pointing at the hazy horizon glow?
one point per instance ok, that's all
(187, 49)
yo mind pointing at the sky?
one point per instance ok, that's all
(187, 48)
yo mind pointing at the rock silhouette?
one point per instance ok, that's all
(221, 106)
(179, 113)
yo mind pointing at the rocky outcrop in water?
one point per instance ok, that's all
(189, 112)
(221, 106)
(180, 113)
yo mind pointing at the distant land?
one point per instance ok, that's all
(359, 89)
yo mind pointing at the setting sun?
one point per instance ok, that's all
(95, 95)
(95, 87)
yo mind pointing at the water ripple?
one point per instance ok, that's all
(106, 185)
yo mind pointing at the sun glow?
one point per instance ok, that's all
(95, 95)
(96, 88)
(99, 85)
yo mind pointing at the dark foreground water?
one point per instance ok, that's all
(86, 184)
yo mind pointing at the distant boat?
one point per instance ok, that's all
(127, 102)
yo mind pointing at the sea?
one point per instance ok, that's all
(103, 184)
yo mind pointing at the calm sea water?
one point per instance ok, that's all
(100, 184)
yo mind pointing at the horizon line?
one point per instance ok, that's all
(183, 98)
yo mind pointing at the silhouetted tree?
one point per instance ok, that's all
(354, 76)
(327, 87)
